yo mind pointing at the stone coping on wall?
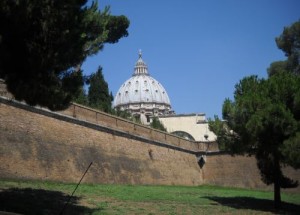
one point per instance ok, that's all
(183, 115)
(91, 115)
(113, 131)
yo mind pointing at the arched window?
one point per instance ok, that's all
(184, 135)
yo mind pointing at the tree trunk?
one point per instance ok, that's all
(277, 171)
(277, 196)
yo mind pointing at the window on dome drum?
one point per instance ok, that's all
(147, 90)
(148, 118)
(136, 91)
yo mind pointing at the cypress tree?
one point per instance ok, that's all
(98, 94)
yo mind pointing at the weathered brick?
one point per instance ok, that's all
(36, 146)
(43, 145)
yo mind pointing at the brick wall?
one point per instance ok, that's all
(238, 171)
(101, 118)
(36, 146)
(39, 144)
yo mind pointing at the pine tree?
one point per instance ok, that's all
(49, 40)
(263, 119)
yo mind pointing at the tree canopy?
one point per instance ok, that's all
(263, 119)
(157, 124)
(98, 94)
(43, 43)
(289, 43)
(81, 98)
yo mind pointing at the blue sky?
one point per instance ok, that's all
(197, 49)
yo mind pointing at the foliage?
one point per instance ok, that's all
(277, 66)
(98, 94)
(264, 120)
(157, 124)
(220, 128)
(289, 43)
(43, 43)
(81, 98)
(264, 117)
(122, 113)
(291, 151)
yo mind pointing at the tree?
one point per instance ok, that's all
(81, 98)
(43, 43)
(264, 117)
(157, 124)
(122, 113)
(98, 95)
(220, 128)
(264, 120)
(289, 43)
(278, 66)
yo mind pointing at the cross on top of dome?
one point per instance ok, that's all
(140, 66)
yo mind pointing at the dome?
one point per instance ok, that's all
(141, 88)
(142, 94)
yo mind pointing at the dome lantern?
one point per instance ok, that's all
(140, 66)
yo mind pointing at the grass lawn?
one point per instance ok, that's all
(40, 197)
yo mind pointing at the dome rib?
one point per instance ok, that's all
(142, 91)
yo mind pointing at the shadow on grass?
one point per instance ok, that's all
(251, 203)
(37, 201)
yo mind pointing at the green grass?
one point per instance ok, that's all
(40, 197)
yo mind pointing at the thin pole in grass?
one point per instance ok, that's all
(62, 211)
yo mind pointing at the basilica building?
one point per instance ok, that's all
(142, 95)
(144, 98)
